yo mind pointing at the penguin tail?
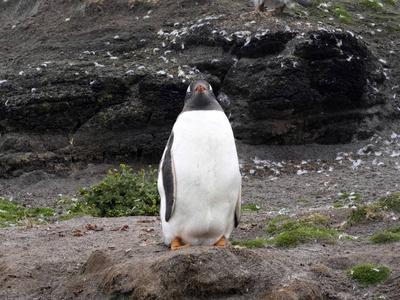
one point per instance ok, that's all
(304, 3)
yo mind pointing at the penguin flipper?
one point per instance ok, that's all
(238, 209)
(169, 179)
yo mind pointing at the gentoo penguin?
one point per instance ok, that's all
(277, 5)
(199, 179)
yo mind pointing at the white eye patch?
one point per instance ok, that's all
(188, 89)
(210, 87)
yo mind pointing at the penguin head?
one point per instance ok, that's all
(200, 96)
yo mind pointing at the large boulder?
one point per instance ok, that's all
(91, 90)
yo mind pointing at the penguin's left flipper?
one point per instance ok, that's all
(238, 208)
(169, 179)
(176, 244)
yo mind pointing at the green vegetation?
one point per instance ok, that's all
(364, 212)
(390, 2)
(251, 207)
(388, 236)
(341, 13)
(370, 3)
(293, 233)
(369, 273)
(272, 223)
(350, 196)
(121, 193)
(338, 205)
(390, 202)
(316, 219)
(14, 214)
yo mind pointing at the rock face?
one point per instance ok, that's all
(106, 81)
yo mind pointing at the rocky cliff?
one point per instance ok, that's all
(95, 81)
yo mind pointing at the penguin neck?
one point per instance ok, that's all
(202, 103)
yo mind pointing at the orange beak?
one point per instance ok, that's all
(200, 88)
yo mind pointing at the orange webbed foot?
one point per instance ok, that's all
(221, 242)
(176, 244)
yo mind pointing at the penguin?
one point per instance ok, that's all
(277, 5)
(199, 179)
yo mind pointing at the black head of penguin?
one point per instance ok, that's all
(200, 96)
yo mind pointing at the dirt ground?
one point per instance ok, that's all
(51, 262)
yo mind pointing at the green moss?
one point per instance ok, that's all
(251, 207)
(350, 196)
(370, 3)
(385, 237)
(390, 2)
(338, 205)
(293, 233)
(317, 219)
(390, 235)
(14, 214)
(272, 223)
(341, 13)
(369, 273)
(303, 200)
(390, 202)
(364, 212)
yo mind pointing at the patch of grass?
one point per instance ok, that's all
(388, 236)
(370, 3)
(364, 212)
(341, 13)
(293, 233)
(14, 214)
(350, 196)
(272, 223)
(317, 219)
(369, 273)
(320, 269)
(251, 207)
(121, 193)
(390, 202)
(338, 205)
(390, 2)
(256, 243)
(303, 200)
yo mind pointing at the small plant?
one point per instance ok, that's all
(320, 269)
(251, 207)
(317, 219)
(121, 193)
(341, 14)
(364, 212)
(390, 2)
(272, 223)
(369, 273)
(14, 214)
(388, 236)
(390, 202)
(293, 233)
(370, 3)
(353, 197)
(338, 205)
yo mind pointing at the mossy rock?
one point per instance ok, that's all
(369, 274)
